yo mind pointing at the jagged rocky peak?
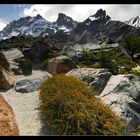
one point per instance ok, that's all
(38, 16)
(22, 21)
(64, 20)
(61, 15)
(100, 13)
(135, 21)
(100, 16)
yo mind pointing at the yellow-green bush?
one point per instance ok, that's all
(71, 108)
(135, 72)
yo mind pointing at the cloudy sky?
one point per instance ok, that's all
(79, 12)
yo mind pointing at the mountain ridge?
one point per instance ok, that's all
(36, 26)
(97, 28)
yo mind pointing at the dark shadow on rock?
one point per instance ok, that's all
(44, 130)
(6, 89)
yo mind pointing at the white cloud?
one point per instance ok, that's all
(2, 24)
(123, 12)
(80, 12)
(36, 9)
(50, 12)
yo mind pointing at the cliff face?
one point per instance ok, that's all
(8, 126)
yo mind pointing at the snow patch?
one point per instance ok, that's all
(64, 28)
(68, 19)
(32, 19)
(134, 21)
(13, 33)
(92, 18)
(88, 23)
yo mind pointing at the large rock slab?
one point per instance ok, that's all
(61, 64)
(122, 94)
(97, 78)
(14, 57)
(8, 126)
(31, 83)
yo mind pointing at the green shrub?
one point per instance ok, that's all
(132, 44)
(26, 67)
(71, 108)
(109, 64)
(3, 62)
(135, 72)
(113, 60)
(126, 62)
(88, 58)
(54, 54)
(129, 71)
(101, 59)
(124, 71)
(43, 66)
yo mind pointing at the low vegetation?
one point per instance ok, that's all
(114, 60)
(132, 45)
(135, 132)
(71, 108)
(44, 64)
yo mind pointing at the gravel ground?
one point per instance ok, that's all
(26, 107)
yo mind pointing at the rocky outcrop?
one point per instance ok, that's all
(61, 64)
(8, 126)
(32, 83)
(97, 78)
(15, 58)
(6, 79)
(39, 51)
(122, 93)
(42, 48)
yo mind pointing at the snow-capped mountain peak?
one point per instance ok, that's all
(135, 21)
(25, 26)
(37, 25)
